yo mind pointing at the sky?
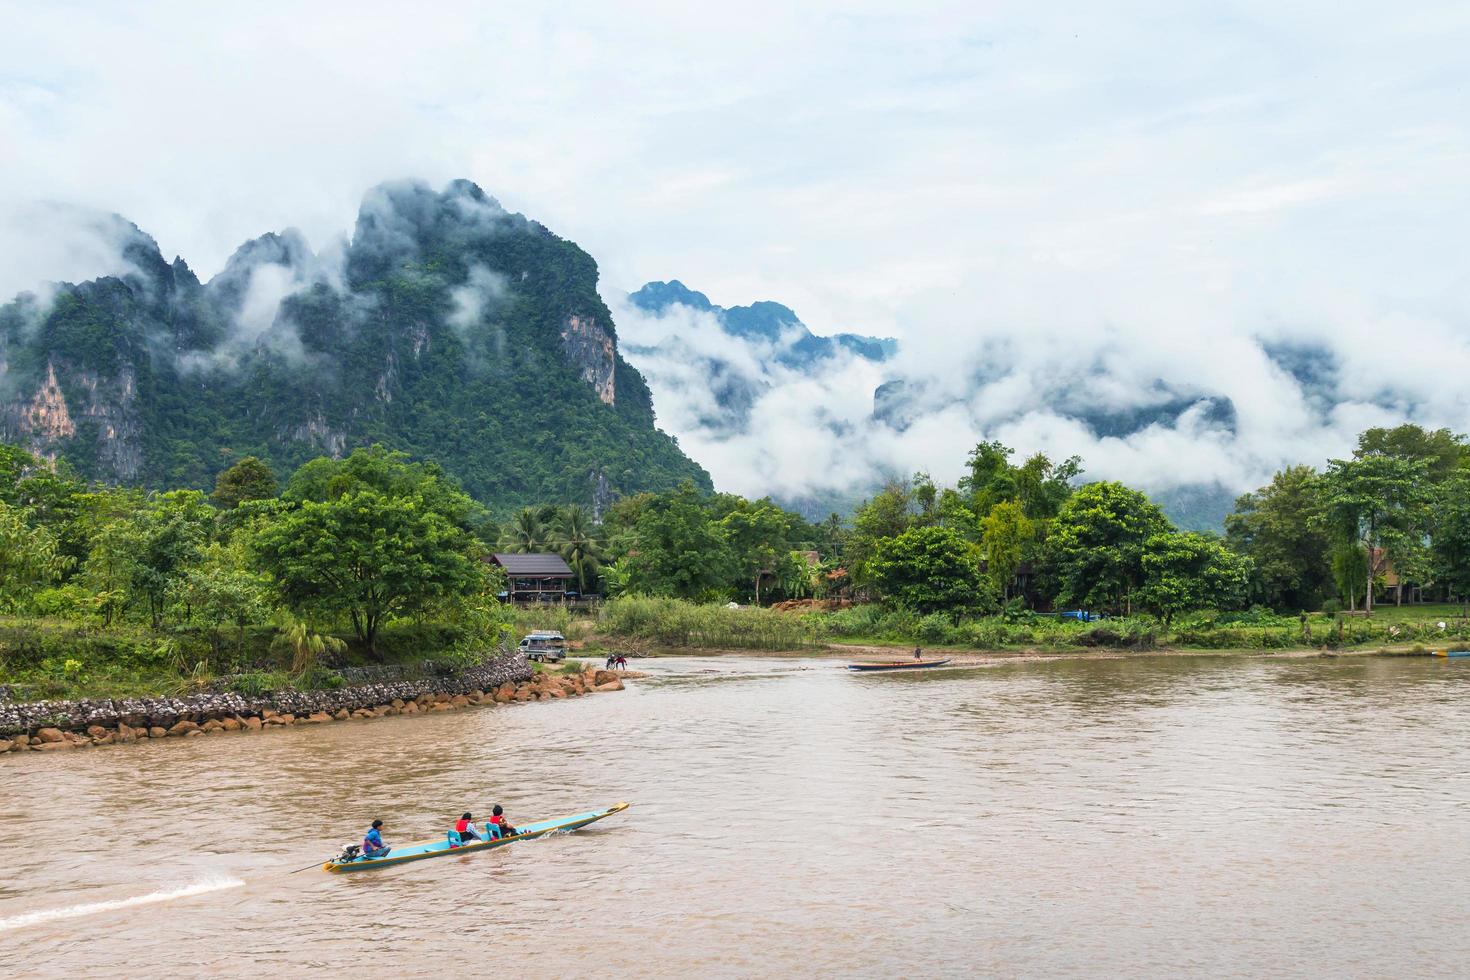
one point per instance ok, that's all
(1051, 207)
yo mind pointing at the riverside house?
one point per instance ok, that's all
(537, 577)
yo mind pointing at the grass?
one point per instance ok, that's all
(676, 623)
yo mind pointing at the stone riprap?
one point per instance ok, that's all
(71, 724)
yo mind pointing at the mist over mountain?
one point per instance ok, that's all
(445, 326)
(1194, 418)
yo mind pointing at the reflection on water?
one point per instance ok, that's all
(1130, 817)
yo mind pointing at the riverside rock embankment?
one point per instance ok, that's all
(56, 725)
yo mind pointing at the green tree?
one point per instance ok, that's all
(221, 590)
(576, 541)
(886, 515)
(1095, 551)
(929, 569)
(1451, 548)
(1379, 502)
(370, 557)
(991, 478)
(249, 479)
(29, 559)
(1043, 486)
(1279, 527)
(758, 535)
(1187, 571)
(306, 646)
(676, 549)
(525, 534)
(174, 527)
(1006, 535)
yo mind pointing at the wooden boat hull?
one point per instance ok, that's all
(422, 850)
(898, 665)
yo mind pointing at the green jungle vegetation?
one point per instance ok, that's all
(376, 558)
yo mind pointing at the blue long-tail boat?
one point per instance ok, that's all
(449, 845)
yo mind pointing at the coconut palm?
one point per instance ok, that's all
(525, 534)
(575, 539)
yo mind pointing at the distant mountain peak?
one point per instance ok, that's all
(763, 320)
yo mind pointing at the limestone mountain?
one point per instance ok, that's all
(445, 326)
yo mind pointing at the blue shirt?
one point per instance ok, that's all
(374, 838)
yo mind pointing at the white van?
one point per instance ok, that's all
(548, 646)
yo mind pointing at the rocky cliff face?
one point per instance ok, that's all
(447, 327)
(592, 351)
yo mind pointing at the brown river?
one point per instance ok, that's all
(1137, 817)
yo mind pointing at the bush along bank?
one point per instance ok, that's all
(55, 725)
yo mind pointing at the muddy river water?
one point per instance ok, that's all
(1134, 817)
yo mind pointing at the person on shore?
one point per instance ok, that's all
(622, 662)
(372, 842)
(501, 825)
(465, 828)
(612, 660)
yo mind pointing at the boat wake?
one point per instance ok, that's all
(92, 908)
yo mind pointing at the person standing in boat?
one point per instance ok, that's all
(918, 653)
(372, 841)
(465, 828)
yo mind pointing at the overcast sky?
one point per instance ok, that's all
(1158, 186)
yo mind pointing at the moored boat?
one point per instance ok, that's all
(442, 848)
(899, 665)
(1452, 653)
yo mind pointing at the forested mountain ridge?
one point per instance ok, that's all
(446, 327)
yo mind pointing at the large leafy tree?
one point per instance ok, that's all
(1279, 528)
(929, 569)
(1095, 551)
(1184, 571)
(1381, 503)
(675, 548)
(758, 535)
(368, 556)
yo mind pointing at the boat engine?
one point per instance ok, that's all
(349, 852)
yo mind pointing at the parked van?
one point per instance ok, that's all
(547, 646)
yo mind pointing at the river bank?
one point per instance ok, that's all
(60, 725)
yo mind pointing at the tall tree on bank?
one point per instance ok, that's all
(930, 569)
(1279, 527)
(1451, 549)
(525, 534)
(758, 535)
(1184, 571)
(1378, 502)
(1096, 546)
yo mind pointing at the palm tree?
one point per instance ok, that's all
(525, 534)
(576, 541)
(306, 646)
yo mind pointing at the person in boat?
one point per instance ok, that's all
(465, 828)
(372, 841)
(501, 825)
(918, 653)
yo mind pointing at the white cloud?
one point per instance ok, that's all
(1019, 195)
